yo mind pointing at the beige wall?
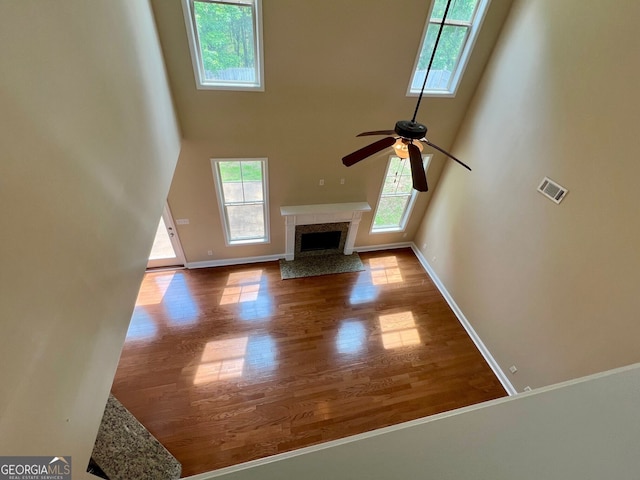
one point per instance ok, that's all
(89, 143)
(549, 288)
(332, 70)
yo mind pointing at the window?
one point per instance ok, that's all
(225, 39)
(458, 35)
(242, 192)
(396, 197)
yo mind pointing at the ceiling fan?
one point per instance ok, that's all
(407, 135)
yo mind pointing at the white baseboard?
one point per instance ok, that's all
(271, 258)
(386, 246)
(504, 380)
(234, 261)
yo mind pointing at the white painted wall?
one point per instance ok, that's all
(88, 145)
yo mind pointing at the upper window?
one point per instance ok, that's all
(242, 193)
(396, 197)
(458, 35)
(225, 39)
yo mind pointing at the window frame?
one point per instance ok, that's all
(196, 52)
(426, 161)
(222, 204)
(463, 58)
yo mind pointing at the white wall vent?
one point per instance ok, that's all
(552, 190)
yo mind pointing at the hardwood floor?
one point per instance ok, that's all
(225, 365)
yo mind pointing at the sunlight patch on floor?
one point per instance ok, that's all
(385, 270)
(242, 287)
(153, 288)
(399, 330)
(221, 360)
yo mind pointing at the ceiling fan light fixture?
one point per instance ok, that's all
(401, 147)
(408, 135)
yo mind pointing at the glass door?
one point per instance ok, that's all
(166, 250)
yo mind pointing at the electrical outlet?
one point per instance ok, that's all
(321, 182)
(513, 369)
(209, 252)
(342, 181)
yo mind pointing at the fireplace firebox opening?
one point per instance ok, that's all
(320, 239)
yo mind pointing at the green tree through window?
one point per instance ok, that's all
(396, 197)
(224, 42)
(460, 27)
(226, 37)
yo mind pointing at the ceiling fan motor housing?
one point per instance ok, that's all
(409, 129)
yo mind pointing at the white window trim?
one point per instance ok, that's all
(222, 210)
(426, 161)
(196, 60)
(472, 36)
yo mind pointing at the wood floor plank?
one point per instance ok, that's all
(229, 364)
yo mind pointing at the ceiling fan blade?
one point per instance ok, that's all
(417, 169)
(446, 153)
(367, 151)
(376, 132)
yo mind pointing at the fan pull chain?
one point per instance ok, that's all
(400, 163)
(433, 55)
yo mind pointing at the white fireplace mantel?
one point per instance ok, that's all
(323, 213)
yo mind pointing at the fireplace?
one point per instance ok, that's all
(320, 239)
(322, 219)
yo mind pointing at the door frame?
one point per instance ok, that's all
(180, 260)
